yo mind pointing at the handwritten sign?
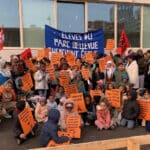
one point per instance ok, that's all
(79, 102)
(144, 109)
(43, 53)
(95, 93)
(51, 70)
(88, 57)
(55, 58)
(114, 97)
(71, 58)
(110, 44)
(73, 123)
(69, 89)
(102, 64)
(26, 120)
(64, 78)
(30, 65)
(86, 74)
(27, 82)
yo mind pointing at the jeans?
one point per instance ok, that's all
(129, 123)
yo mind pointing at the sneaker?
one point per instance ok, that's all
(18, 141)
(7, 116)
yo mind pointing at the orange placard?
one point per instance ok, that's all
(110, 44)
(79, 102)
(55, 58)
(73, 123)
(64, 78)
(88, 57)
(30, 65)
(43, 53)
(86, 74)
(114, 97)
(27, 82)
(70, 88)
(71, 58)
(26, 120)
(51, 70)
(144, 109)
(102, 64)
(95, 93)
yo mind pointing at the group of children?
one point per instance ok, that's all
(50, 106)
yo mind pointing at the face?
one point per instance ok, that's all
(109, 65)
(43, 67)
(8, 87)
(51, 98)
(87, 100)
(120, 67)
(110, 86)
(103, 105)
(42, 103)
(69, 109)
(146, 95)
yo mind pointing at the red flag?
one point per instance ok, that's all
(26, 54)
(2, 38)
(123, 42)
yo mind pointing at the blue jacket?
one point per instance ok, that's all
(50, 129)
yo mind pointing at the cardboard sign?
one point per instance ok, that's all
(51, 71)
(64, 78)
(86, 74)
(30, 65)
(55, 58)
(27, 82)
(79, 102)
(26, 120)
(73, 123)
(26, 54)
(144, 109)
(102, 64)
(43, 53)
(110, 44)
(95, 93)
(52, 143)
(69, 89)
(88, 57)
(114, 97)
(71, 58)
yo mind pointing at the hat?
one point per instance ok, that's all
(132, 56)
(109, 62)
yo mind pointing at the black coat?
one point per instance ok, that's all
(50, 129)
(130, 110)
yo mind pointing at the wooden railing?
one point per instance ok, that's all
(131, 143)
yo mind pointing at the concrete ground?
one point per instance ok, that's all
(7, 142)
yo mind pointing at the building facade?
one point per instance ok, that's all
(24, 21)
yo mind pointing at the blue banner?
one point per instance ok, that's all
(78, 43)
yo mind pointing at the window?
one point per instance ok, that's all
(71, 17)
(129, 18)
(10, 19)
(101, 15)
(36, 13)
(146, 32)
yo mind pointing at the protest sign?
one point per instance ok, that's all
(102, 64)
(110, 44)
(64, 78)
(26, 54)
(52, 143)
(27, 82)
(30, 65)
(86, 74)
(50, 69)
(79, 102)
(144, 109)
(71, 58)
(55, 58)
(73, 123)
(26, 120)
(69, 89)
(43, 53)
(88, 57)
(78, 43)
(95, 93)
(114, 97)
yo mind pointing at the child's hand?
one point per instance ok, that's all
(22, 136)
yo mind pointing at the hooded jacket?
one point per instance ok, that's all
(50, 129)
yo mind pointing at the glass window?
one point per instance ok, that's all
(101, 15)
(146, 32)
(10, 19)
(129, 18)
(36, 13)
(71, 17)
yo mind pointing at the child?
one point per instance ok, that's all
(19, 135)
(41, 110)
(50, 129)
(104, 120)
(61, 104)
(130, 110)
(89, 116)
(51, 102)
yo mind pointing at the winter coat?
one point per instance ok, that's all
(50, 129)
(41, 80)
(96, 77)
(133, 73)
(130, 110)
